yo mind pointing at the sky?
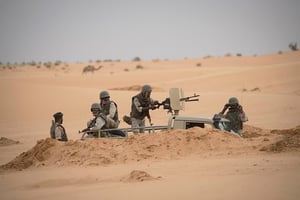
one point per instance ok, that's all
(90, 30)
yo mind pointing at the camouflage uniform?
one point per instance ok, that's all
(57, 131)
(109, 110)
(235, 124)
(140, 109)
(235, 115)
(60, 132)
(97, 122)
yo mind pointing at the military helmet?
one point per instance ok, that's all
(233, 100)
(95, 106)
(146, 88)
(104, 94)
(58, 115)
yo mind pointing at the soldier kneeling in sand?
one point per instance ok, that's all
(97, 127)
(109, 109)
(235, 115)
(98, 122)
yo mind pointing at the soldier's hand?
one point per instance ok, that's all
(226, 106)
(240, 108)
(155, 102)
(153, 107)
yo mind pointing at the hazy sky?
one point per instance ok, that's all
(84, 30)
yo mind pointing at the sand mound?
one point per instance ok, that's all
(139, 176)
(155, 146)
(39, 153)
(289, 140)
(6, 141)
(256, 89)
(61, 182)
(137, 88)
(253, 132)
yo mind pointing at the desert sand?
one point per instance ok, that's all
(179, 164)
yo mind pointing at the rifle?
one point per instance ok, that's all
(152, 107)
(149, 117)
(93, 122)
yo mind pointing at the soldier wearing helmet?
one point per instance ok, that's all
(98, 121)
(109, 109)
(235, 115)
(57, 131)
(141, 103)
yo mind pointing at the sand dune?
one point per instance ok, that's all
(136, 88)
(155, 146)
(177, 164)
(6, 141)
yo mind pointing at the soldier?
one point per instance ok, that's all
(57, 131)
(140, 105)
(98, 122)
(235, 115)
(109, 110)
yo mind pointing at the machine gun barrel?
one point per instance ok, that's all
(190, 98)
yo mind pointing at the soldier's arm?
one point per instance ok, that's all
(226, 106)
(112, 110)
(243, 115)
(99, 123)
(153, 103)
(137, 104)
(240, 108)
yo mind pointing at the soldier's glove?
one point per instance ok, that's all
(240, 108)
(155, 103)
(226, 106)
